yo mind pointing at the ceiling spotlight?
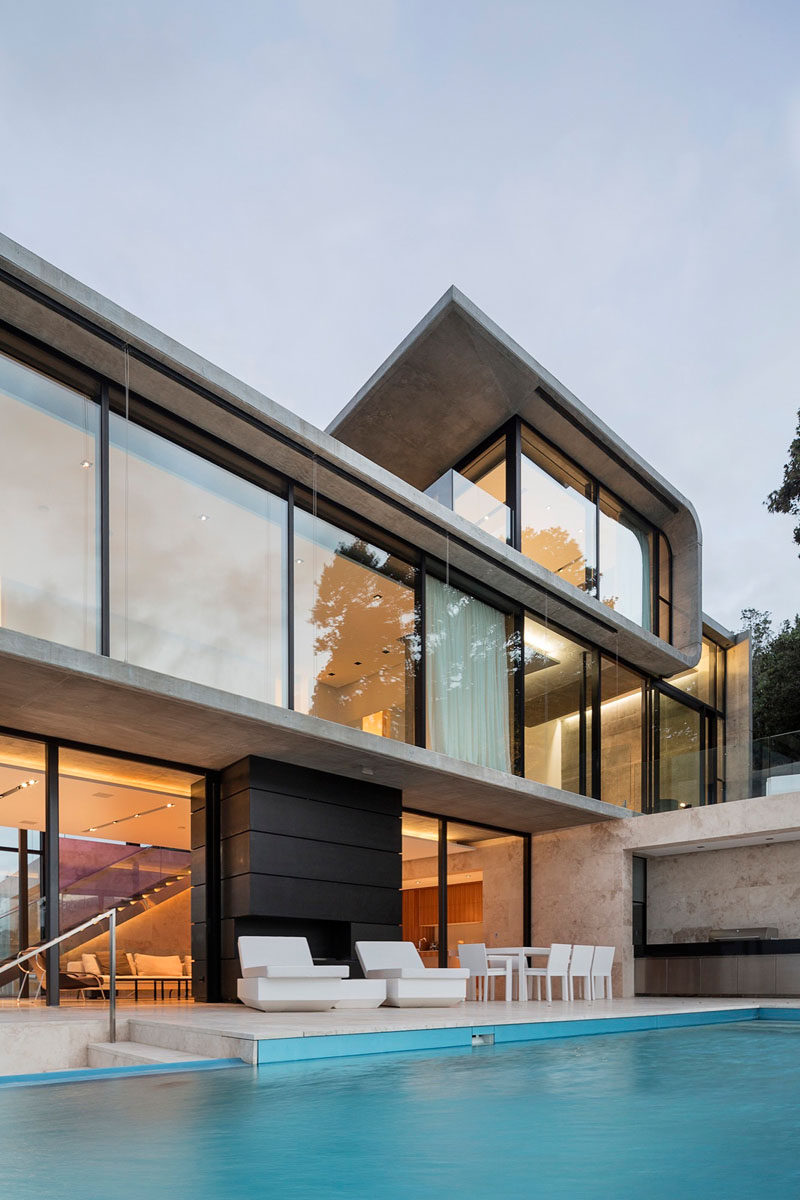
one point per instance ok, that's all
(203, 517)
(385, 651)
(377, 596)
(299, 561)
(170, 805)
(86, 464)
(357, 663)
(331, 672)
(92, 829)
(682, 804)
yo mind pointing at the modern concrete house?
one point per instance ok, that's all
(440, 672)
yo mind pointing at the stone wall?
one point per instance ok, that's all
(582, 878)
(746, 886)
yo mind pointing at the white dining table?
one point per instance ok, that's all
(519, 954)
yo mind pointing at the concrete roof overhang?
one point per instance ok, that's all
(457, 378)
(53, 691)
(91, 331)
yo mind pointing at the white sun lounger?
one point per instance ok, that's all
(279, 975)
(409, 983)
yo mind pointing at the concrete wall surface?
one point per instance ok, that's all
(581, 878)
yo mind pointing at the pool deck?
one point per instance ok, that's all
(35, 1038)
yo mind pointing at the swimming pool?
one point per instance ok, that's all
(712, 1111)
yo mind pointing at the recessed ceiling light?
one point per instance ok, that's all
(331, 672)
(86, 464)
(358, 663)
(203, 517)
(299, 561)
(386, 652)
(367, 771)
(377, 596)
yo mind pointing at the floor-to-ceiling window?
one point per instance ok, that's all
(680, 765)
(557, 674)
(198, 568)
(622, 745)
(558, 514)
(49, 535)
(484, 898)
(625, 561)
(355, 639)
(125, 842)
(22, 821)
(469, 677)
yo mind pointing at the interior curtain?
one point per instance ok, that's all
(467, 677)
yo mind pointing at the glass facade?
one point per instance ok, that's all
(355, 631)
(625, 557)
(558, 514)
(124, 834)
(680, 765)
(49, 562)
(203, 565)
(469, 677)
(622, 725)
(484, 897)
(557, 683)
(198, 568)
(22, 822)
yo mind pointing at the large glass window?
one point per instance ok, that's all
(485, 887)
(705, 681)
(198, 568)
(558, 514)
(557, 682)
(469, 676)
(49, 531)
(22, 818)
(624, 560)
(621, 745)
(680, 759)
(355, 638)
(124, 841)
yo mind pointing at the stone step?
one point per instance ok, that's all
(195, 1040)
(129, 1054)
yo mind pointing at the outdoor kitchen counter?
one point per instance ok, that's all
(746, 967)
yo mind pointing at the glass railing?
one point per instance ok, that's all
(765, 767)
(776, 764)
(464, 497)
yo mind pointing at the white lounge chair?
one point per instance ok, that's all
(557, 968)
(580, 967)
(473, 956)
(601, 972)
(279, 975)
(409, 983)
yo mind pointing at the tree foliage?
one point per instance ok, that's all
(786, 499)
(776, 673)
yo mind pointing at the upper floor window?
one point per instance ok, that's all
(567, 523)
(49, 560)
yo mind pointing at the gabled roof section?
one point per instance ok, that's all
(457, 378)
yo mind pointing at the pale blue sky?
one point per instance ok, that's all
(287, 188)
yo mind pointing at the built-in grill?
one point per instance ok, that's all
(759, 934)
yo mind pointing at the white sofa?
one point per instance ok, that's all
(409, 983)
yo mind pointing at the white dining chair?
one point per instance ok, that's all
(557, 968)
(601, 972)
(580, 967)
(473, 956)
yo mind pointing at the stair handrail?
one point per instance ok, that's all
(111, 914)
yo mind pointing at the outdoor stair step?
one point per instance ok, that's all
(120, 1054)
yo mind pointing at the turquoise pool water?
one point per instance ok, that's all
(706, 1112)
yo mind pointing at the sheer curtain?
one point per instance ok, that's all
(467, 677)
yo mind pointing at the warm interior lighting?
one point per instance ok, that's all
(26, 783)
(133, 816)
